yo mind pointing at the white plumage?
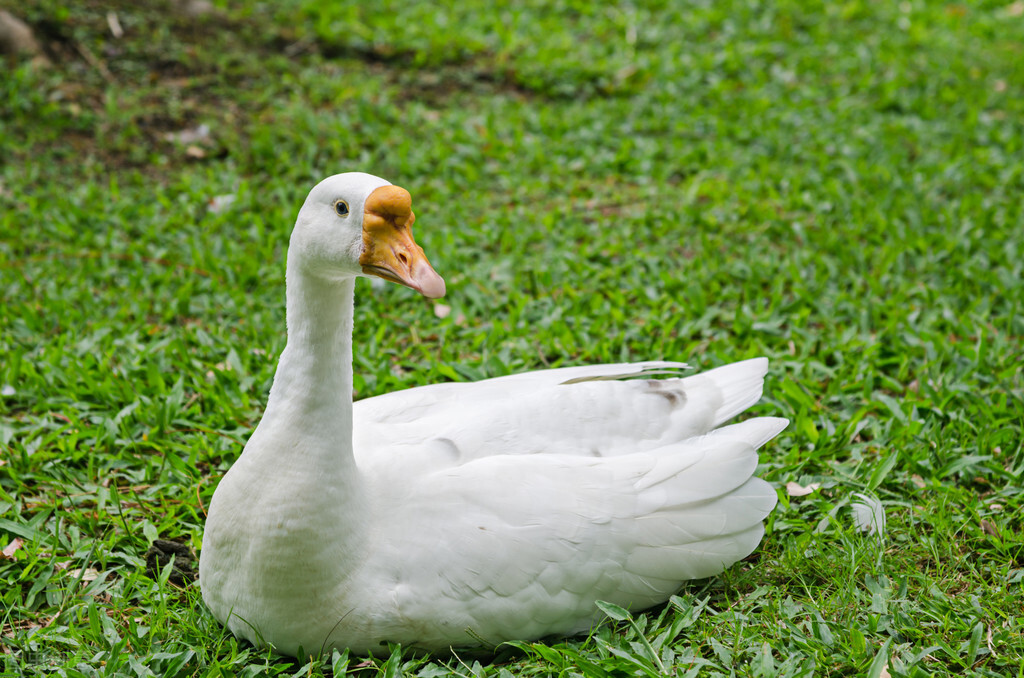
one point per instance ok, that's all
(446, 514)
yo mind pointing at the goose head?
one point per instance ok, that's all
(356, 224)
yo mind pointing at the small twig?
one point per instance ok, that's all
(116, 494)
(199, 500)
(94, 62)
(299, 47)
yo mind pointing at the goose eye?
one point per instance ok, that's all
(341, 207)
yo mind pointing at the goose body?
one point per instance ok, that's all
(454, 514)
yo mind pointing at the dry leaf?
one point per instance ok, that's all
(918, 481)
(16, 36)
(798, 490)
(194, 8)
(195, 152)
(219, 203)
(442, 310)
(1014, 9)
(989, 528)
(115, 25)
(88, 574)
(8, 552)
(190, 136)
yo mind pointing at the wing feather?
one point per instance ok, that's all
(574, 410)
(552, 533)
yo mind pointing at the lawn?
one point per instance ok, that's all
(837, 186)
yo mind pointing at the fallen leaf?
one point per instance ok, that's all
(442, 310)
(918, 481)
(8, 552)
(115, 25)
(195, 152)
(195, 8)
(797, 490)
(190, 136)
(989, 528)
(219, 203)
(16, 36)
(1014, 9)
(88, 574)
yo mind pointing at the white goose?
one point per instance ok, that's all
(461, 513)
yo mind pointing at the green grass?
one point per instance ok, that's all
(837, 186)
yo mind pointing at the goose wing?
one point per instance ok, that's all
(592, 411)
(530, 542)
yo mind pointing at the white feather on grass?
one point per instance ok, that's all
(869, 515)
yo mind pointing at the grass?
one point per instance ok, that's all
(834, 185)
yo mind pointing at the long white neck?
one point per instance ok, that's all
(311, 399)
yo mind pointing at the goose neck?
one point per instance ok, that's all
(312, 391)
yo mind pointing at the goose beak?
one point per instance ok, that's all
(389, 250)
